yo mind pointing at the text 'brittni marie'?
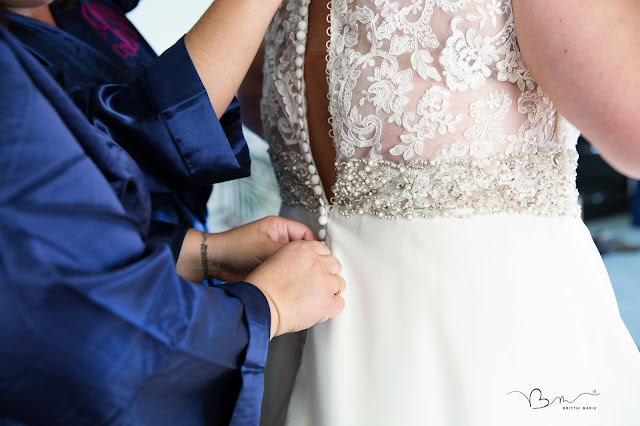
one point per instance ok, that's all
(537, 401)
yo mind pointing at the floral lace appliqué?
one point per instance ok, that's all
(415, 84)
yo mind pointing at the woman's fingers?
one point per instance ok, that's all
(285, 231)
(332, 264)
(302, 279)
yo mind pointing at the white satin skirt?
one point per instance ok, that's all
(490, 320)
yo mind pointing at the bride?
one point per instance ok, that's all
(442, 175)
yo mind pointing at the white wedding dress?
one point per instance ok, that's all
(475, 293)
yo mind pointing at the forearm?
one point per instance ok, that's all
(202, 258)
(585, 54)
(196, 259)
(224, 42)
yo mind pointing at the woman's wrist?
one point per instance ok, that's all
(196, 261)
(204, 257)
(275, 316)
(276, 320)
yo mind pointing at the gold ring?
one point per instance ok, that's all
(340, 285)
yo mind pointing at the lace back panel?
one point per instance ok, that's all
(433, 110)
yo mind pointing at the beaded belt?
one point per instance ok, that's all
(538, 182)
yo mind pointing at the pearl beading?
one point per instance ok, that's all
(540, 182)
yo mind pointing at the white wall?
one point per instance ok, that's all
(163, 22)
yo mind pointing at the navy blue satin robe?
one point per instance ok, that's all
(97, 328)
(155, 108)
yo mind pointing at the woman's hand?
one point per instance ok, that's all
(234, 254)
(302, 284)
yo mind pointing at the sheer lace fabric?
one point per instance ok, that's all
(433, 110)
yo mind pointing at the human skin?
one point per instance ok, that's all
(583, 53)
(586, 54)
(300, 281)
(222, 44)
(283, 258)
(234, 254)
(16, 6)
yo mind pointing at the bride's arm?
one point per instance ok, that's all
(224, 42)
(586, 55)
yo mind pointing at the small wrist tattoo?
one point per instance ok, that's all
(204, 258)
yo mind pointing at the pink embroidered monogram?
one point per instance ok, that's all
(107, 20)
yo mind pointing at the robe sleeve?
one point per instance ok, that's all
(97, 328)
(164, 119)
(169, 234)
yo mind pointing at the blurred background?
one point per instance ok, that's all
(611, 202)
